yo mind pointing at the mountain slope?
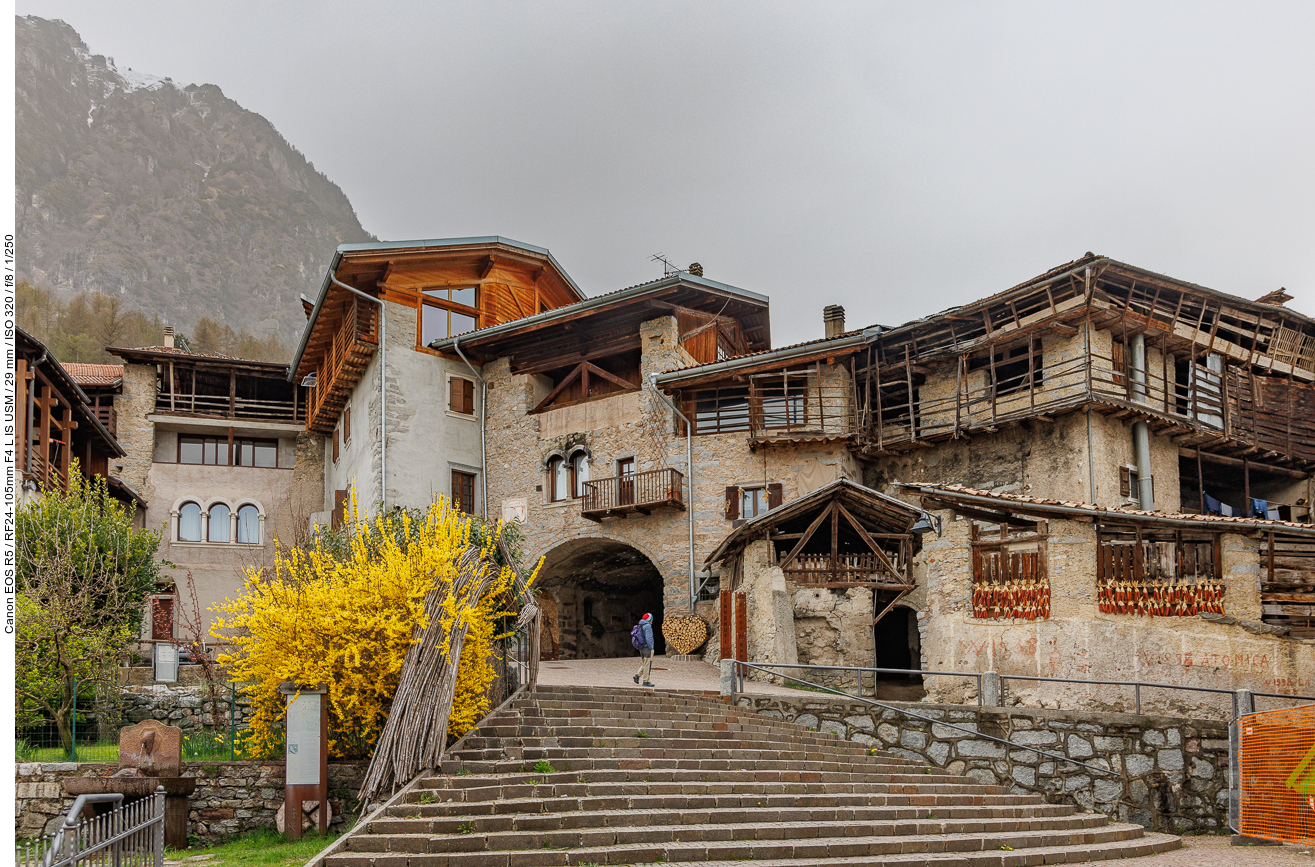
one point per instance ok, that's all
(175, 198)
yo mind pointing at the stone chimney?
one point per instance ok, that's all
(833, 317)
(696, 269)
(169, 336)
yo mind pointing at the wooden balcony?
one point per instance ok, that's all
(226, 406)
(46, 475)
(633, 492)
(342, 365)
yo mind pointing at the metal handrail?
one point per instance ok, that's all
(1137, 684)
(909, 713)
(973, 674)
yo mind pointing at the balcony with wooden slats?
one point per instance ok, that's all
(633, 492)
(343, 363)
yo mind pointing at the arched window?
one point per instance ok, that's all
(248, 525)
(579, 472)
(189, 523)
(218, 523)
(558, 489)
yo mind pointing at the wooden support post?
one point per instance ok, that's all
(173, 386)
(908, 379)
(24, 386)
(958, 394)
(995, 384)
(44, 400)
(232, 393)
(1031, 374)
(1271, 558)
(66, 453)
(1246, 485)
(835, 540)
(1200, 479)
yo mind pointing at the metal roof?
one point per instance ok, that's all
(1035, 505)
(626, 294)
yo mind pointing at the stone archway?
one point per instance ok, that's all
(601, 588)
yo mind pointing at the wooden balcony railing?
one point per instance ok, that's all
(633, 492)
(222, 406)
(846, 569)
(810, 404)
(47, 476)
(354, 344)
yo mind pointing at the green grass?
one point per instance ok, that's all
(794, 684)
(263, 848)
(196, 746)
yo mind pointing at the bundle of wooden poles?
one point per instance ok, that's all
(415, 736)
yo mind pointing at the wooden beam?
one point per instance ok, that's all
(808, 534)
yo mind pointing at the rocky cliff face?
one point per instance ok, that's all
(174, 197)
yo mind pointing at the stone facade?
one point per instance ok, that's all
(1169, 774)
(1079, 641)
(230, 797)
(642, 426)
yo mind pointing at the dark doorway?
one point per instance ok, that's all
(601, 588)
(898, 645)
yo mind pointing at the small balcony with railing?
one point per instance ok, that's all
(214, 390)
(643, 492)
(811, 405)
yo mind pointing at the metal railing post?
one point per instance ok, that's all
(1136, 688)
(157, 835)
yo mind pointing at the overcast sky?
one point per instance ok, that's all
(895, 158)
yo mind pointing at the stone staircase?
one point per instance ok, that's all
(586, 776)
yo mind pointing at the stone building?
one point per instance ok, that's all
(630, 433)
(217, 446)
(399, 421)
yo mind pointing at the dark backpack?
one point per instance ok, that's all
(637, 637)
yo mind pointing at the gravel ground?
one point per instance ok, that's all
(1216, 852)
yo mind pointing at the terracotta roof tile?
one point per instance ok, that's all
(94, 374)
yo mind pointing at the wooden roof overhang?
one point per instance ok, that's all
(879, 515)
(1184, 315)
(155, 355)
(408, 266)
(67, 391)
(1017, 510)
(609, 324)
(799, 356)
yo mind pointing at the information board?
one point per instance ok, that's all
(303, 754)
(166, 663)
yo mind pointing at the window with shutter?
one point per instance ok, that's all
(461, 395)
(347, 424)
(335, 445)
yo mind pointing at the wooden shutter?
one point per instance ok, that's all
(467, 397)
(454, 394)
(1119, 362)
(774, 495)
(335, 446)
(1125, 482)
(347, 424)
(339, 505)
(732, 503)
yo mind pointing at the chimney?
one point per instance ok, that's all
(833, 317)
(696, 269)
(169, 336)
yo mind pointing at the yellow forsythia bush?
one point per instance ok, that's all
(343, 612)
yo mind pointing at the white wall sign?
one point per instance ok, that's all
(303, 753)
(517, 509)
(166, 663)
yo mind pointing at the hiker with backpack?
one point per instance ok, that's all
(642, 638)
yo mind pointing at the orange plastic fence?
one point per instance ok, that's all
(1277, 779)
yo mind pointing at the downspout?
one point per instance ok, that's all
(483, 409)
(31, 405)
(1086, 337)
(1141, 434)
(689, 466)
(383, 390)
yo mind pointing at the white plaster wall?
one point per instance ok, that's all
(425, 440)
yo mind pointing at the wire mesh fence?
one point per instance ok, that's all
(1277, 775)
(87, 728)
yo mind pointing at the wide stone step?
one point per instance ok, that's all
(647, 776)
(562, 762)
(756, 842)
(620, 793)
(892, 817)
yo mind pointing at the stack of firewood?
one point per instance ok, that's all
(685, 633)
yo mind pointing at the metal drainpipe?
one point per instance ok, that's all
(1086, 339)
(31, 405)
(689, 467)
(1141, 435)
(383, 391)
(483, 408)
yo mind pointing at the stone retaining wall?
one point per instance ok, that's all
(230, 797)
(1170, 774)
